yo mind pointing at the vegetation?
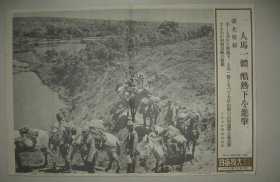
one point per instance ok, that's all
(105, 43)
(152, 46)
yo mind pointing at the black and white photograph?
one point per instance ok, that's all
(111, 91)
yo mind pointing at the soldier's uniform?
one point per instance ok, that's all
(130, 147)
(65, 145)
(62, 124)
(91, 139)
(76, 142)
(66, 148)
(191, 132)
(143, 109)
(88, 144)
(141, 80)
(170, 114)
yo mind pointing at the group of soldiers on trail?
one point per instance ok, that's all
(91, 138)
(88, 142)
(176, 120)
(178, 126)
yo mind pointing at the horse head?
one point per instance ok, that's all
(145, 149)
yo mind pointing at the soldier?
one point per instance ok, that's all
(66, 148)
(61, 134)
(132, 102)
(76, 142)
(81, 144)
(61, 122)
(170, 113)
(28, 135)
(88, 147)
(191, 133)
(143, 109)
(141, 80)
(23, 132)
(130, 147)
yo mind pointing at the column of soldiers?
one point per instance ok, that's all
(72, 142)
(86, 142)
(175, 124)
(185, 122)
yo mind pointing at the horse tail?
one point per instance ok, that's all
(118, 147)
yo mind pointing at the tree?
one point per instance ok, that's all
(205, 30)
(51, 54)
(50, 34)
(98, 54)
(72, 73)
(168, 28)
(63, 54)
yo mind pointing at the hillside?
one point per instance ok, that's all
(188, 67)
(85, 75)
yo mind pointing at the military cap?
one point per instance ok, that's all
(59, 116)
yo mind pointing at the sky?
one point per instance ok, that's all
(178, 15)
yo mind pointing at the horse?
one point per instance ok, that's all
(151, 82)
(152, 112)
(132, 105)
(123, 90)
(112, 146)
(153, 147)
(131, 97)
(140, 80)
(134, 100)
(190, 130)
(109, 143)
(25, 144)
